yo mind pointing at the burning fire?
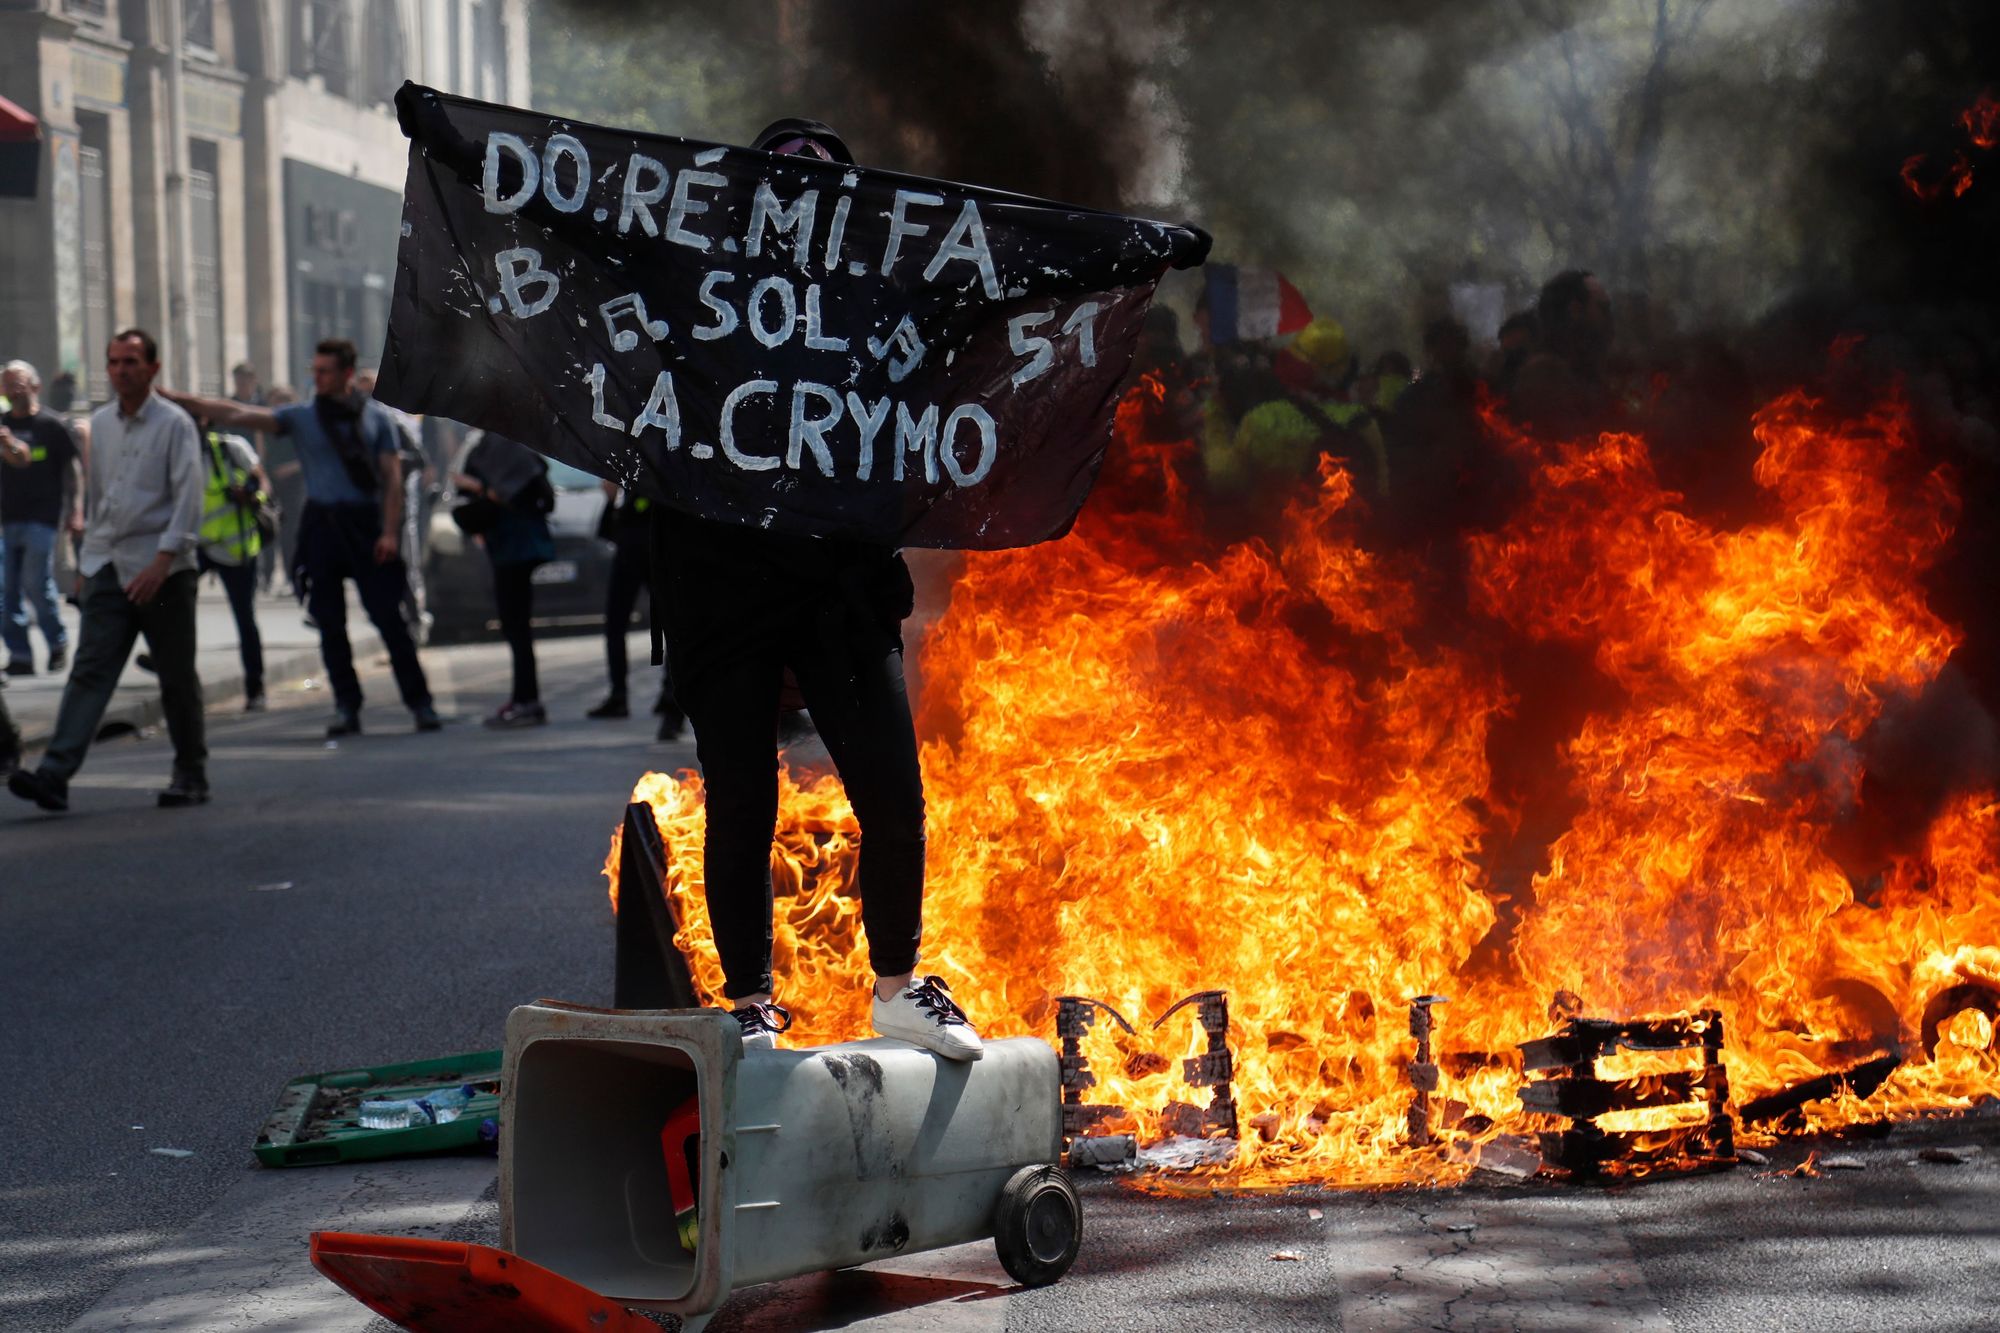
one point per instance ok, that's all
(1981, 123)
(1159, 760)
(1955, 180)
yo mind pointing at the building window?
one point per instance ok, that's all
(198, 23)
(489, 64)
(387, 64)
(321, 43)
(97, 11)
(93, 159)
(205, 236)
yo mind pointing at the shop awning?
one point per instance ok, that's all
(16, 124)
(20, 151)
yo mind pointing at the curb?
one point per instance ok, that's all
(146, 710)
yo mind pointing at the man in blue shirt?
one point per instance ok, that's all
(351, 527)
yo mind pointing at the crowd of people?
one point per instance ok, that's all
(265, 490)
(124, 512)
(1265, 412)
(1417, 434)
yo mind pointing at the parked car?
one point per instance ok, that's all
(569, 590)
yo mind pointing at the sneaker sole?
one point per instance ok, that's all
(933, 1044)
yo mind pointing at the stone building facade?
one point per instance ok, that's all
(225, 173)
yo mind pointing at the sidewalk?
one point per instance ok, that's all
(291, 654)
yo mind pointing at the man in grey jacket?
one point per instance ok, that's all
(137, 576)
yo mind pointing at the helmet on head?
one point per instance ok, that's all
(779, 136)
(1322, 343)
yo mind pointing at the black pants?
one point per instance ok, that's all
(631, 574)
(337, 542)
(514, 595)
(111, 626)
(239, 584)
(862, 712)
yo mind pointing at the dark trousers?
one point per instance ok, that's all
(862, 712)
(631, 574)
(111, 626)
(631, 571)
(239, 584)
(337, 542)
(514, 595)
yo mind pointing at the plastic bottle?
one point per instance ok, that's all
(448, 1104)
(439, 1108)
(392, 1115)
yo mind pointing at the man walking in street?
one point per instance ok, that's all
(351, 527)
(138, 571)
(41, 463)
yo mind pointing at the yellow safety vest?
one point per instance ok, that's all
(228, 530)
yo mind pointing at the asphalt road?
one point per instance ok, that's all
(160, 985)
(163, 973)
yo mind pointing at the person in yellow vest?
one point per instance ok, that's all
(1287, 411)
(231, 541)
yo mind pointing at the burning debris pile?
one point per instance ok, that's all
(1165, 757)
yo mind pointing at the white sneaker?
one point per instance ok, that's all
(761, 1024)
(924, 1015)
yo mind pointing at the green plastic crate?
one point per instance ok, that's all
(315, 1121)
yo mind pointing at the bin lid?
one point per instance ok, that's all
(443, 1286)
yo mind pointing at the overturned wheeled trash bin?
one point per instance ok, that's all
(792, 1161)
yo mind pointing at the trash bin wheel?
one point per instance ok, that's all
(1038, 1225)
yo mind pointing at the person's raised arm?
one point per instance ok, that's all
(226, 412)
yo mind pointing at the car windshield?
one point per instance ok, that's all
(566, 478)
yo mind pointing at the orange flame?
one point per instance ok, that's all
(1981, 121)
(1956, 179)
(1158, 762)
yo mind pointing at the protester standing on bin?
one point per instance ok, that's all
(508, 485)
(41, 492)
(741, 605)
(138, 571)
(351, 527)
(627, 521)
(231, 542)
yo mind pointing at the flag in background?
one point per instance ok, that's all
(1247, 303)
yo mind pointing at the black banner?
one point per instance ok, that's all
(779, 341)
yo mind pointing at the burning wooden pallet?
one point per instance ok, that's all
(1213, 1069)
(1564, 1081)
